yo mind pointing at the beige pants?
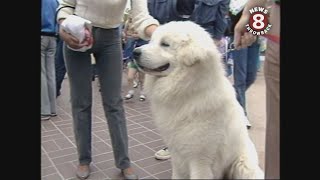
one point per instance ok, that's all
(272, 71)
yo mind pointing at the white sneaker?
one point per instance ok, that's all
(135, 84)
(163, 154)
(247, 122)
(129, 95)
(142, 97)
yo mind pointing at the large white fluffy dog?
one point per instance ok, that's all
(194, 105)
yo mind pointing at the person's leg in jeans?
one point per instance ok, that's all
(48, 85)
(60, 66)
(107, 52)
(239, 74)
(132, 71)
(79, 71)
(252, 63)
(245, 71)
(128, 48)
(141, 77)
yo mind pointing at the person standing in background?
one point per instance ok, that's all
(272, 77)
(48, 51)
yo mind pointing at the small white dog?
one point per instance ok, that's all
(194, 105)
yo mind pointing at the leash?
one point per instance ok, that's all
(273, 38)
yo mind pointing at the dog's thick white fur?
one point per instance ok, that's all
(194, 105)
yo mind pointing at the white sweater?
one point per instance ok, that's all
(108, 14)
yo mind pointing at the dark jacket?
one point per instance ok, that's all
(210, 14)
(232, 21)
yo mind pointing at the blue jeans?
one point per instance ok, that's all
(140, 42)
(128, 48)
(130, 45)
(108, 53)
(245, 70)
(60, 66)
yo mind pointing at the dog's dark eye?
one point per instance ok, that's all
(164, 44)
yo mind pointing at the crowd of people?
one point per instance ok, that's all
(111, 41)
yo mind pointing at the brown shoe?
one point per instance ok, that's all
(129, 174)
(83, 171)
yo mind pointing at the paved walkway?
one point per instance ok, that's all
(59, 158)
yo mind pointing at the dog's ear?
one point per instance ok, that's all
(191, 53)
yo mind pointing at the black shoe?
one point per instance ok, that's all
(247, 122)
(53, 114)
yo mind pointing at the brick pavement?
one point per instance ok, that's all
(58, 152)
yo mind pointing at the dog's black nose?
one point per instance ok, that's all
(136, 53)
